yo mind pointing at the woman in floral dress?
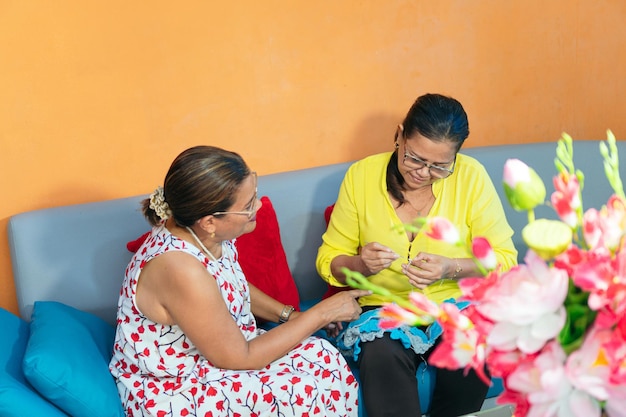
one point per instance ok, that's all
(187, 342)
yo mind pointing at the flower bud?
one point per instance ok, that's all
(522, 186)
(547, 238)
(484, 253)
(440, 228)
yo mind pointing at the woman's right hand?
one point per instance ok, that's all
(377, 257)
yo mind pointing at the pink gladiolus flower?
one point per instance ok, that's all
(393, 316)
(568, 260)
(461, 350)
(595, 274)
(440, 228)
(477, 289)
(547, 388)
(565, 212)
(462, 345)
(615, 226)
(616, 404)
(587, 368)
(614, 309)
(425, 312)
(592, 232)
(452, 316)
(501, 363)
(519, 401)
(424, 304)
(603, 277)
(484, 253)
(605, 228)
(566, 198)
(526, 305)
(598, 368)
(616, 207)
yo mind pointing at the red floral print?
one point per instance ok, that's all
(159, 372)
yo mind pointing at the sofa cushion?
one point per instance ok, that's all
(263, 260)
(17, 397)
(67, 358)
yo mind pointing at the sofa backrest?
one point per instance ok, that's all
(540, 157)
(77, 254)
(74, 254)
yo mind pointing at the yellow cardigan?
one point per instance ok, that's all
(364, 213)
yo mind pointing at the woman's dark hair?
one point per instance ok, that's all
(436, 117)
(202, 180)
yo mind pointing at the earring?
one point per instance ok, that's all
(396, 145)
(212, 235)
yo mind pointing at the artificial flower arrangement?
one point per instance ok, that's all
(554, 327)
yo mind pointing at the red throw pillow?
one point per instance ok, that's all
(263, 260)
(134, 245)
(331, 289)
(327, 213)
(261, 256)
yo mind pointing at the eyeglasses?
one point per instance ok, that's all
(250, 209)
(435, 171)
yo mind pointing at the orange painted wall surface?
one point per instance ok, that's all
(99, 97)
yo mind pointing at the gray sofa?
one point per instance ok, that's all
(76, 254)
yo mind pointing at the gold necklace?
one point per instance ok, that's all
(235, 281)
(419, 211)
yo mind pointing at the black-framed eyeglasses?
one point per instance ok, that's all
(435, 171)
(251, 209)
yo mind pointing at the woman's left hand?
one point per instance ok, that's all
(427, 268)
(333, 329)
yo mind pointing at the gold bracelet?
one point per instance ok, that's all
(457, 270)
(284, 315)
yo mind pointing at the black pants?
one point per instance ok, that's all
(389, 383)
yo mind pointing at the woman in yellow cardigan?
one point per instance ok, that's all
(425, 175)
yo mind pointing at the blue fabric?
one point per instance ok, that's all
(366, 328)
(67, 359)
(496, 388)
(17, 397)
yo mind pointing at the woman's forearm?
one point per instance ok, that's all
(265, 307)
(353, 263)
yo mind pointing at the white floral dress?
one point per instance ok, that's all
(159, 372)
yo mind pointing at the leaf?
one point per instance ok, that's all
(579, 318)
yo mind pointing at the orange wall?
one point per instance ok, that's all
(98, 97)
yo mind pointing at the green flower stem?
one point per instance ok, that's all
(357, 280)
(609, 153)
(483, 271)
(564, 163)
(564, 160)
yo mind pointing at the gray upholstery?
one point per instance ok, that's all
(77, 254)
(540, 157)
(74, 254)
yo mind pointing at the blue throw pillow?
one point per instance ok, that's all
(67, 360)
(17, 397)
